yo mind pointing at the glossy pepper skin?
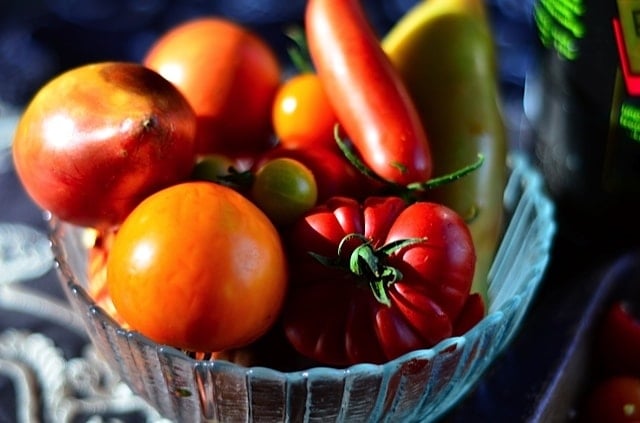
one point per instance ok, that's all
(445, 53)
(369, 98)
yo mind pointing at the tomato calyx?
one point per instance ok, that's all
(410, 192)
(369, 264)
(299, 52)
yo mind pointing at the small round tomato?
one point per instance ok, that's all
(302, 115)
(210, 167)
(614, 400)
(199, 267)
(230, 77)
(334, 175)
(97, 139)
(284, 189)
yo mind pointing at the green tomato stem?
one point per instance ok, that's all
(407, 191)
(299, 52)
(369, 263)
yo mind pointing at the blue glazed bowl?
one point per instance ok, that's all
(418, 386)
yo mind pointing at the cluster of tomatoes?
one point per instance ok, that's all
(228, 202)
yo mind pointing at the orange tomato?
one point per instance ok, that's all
(302, 115)
(199, 267)
(228, 74)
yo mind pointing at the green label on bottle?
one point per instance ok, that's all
(630, 120)
(560, 25)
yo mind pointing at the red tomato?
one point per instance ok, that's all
(302, 115)
(615, 400)
(366, 92)
(229, 76)
(372, 299)
(98, 139)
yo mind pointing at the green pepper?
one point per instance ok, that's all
(444, 51)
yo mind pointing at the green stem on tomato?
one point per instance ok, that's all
(370, 264)
(353, 158)
(408, 190)
(449, 177)
(239, 180)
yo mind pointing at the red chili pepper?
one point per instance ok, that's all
(370, 99)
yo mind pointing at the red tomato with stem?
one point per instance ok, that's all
(374, 280)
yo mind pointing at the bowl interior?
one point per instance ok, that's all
(419, 386)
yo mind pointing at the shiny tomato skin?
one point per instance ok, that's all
(331, 314)
(199, 267)
(334, 175)
(302, 115)
(614, 400)
(284, 189)
(97, 139)
(230, 77)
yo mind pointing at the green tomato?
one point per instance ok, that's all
(284, 189)
(211, 167)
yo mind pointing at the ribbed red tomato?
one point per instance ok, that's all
(374, 280)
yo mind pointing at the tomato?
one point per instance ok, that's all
(618, 340)
(210, 167)
(284, 189)
(333, 173)
(97, 139)
(199, 267)
(614, 400)
(230, 77)
(302, 115)
(373, 280)
(367, 94)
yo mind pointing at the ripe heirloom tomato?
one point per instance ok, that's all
(302, 115)
(229, 76)
(97, 139)
(198, 266)
(371, 281)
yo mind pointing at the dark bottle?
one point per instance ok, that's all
(584, 108)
